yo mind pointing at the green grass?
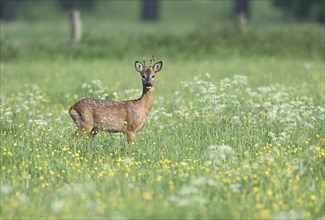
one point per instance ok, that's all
(272, 165)
(237, 129)
(219, 40)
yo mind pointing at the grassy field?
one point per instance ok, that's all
(237, 129)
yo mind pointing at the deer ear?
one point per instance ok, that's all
(138, 66)
(157, 67)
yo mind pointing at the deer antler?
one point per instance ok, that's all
(144, 61)
(152, 61)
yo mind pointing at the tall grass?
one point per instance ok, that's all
(219, 150)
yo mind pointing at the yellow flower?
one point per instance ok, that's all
(147, 196)
(285, 206)
(307, 214)
(259, 206)
(110, 172)
(159, 178)
(256, 189)
(97, 194)
(171, 185)
(313, 197)
(265, 213)
(101, 174)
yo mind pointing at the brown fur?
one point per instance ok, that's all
(93, 115)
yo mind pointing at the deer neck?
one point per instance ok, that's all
(146, 100)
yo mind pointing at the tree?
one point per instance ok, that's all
(241, 7)
(241, 11)
(76, 4)
(8, 9)
(150, 10)
(303, 9)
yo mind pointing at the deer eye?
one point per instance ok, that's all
(152, 76)
(143, 76)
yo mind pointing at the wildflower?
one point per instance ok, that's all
(269, 193)
(219, 153)
(101, 174)
(307, 214)
(171, 185)
(147, 196)
(265, 213)
(57, 206)
(285, 206)
(159, 178)
(235, 187)
(110, 172)
(5, 189)
(313, 197)
(256, 189)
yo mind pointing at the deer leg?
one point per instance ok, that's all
(94, 132)
(83, 128)
(84, 125)
(130, 138)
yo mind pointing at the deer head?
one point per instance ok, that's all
(148, 72)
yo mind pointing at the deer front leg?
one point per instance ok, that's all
(131, 137)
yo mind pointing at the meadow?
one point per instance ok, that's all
(236, 132)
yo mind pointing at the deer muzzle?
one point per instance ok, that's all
(148, 85)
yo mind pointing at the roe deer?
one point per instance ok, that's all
(93, 115)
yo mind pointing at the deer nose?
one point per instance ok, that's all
(148, 85)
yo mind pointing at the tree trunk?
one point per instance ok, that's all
(242, 6)
(241, 11)
(76, 32)
(150, 10)
(8, 10)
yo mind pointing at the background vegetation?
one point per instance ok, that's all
(237, 128)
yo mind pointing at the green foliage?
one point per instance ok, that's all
(303, 9)
(204, 41)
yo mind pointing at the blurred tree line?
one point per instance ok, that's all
(301, 10)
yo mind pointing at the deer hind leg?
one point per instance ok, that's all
(84, 126)
(130, 138)
(94, 132)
